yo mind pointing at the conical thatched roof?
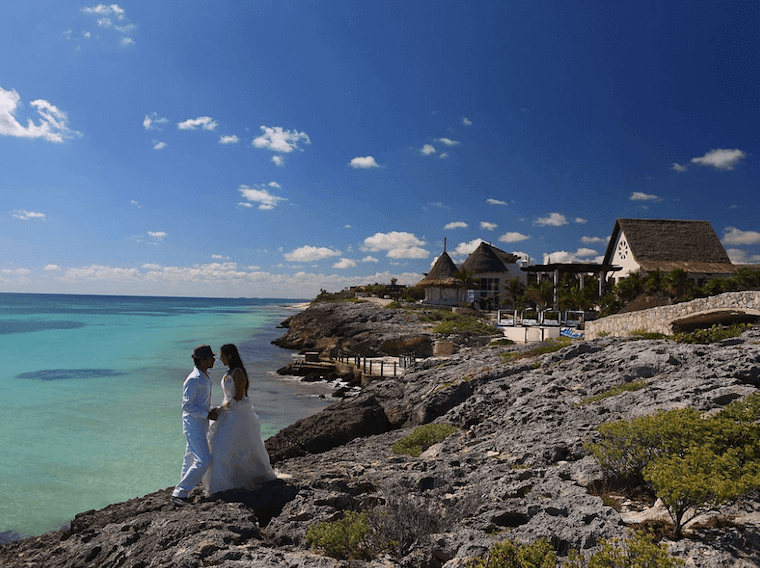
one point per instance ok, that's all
(488, 258)
(667, 244)
(442, 275)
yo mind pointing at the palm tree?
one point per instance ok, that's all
(677, 283)
(514, 288)
(542, 293)
(466, 280)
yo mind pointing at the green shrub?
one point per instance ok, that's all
(551, 346)
(643, 334)
(690, 463)
(510, 554)
(713, 334)
(422, 438)
(637, 551)
(504, 341)
(465, 324)
(344, 538)
(614, 391)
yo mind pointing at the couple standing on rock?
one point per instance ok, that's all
(230, 454)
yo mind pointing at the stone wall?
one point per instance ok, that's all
(660, 319)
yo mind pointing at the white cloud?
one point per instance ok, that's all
(513, 237)
(310, 254)
(26, 215)
(592, 240)
(344, 263)
(127, 41)
(205, 122)
(136, 203)
(739, 256)
(488, 226)
(581, 220)
(154, 122)
(678, 168)
(159, 145)
(640, 196)
(229, 139)
(279, 161)
(364, 163)
(443, 156)
(733, 236)
(496, 202)
(581, 255)
(245, 204)
(101, 272)
(53, 125)
(466, 121)
(106, 10)
(398, 244)
(465, 249)
(274, 184)
(219, 257)
(456, 225)
(106, 13)
(370, 258)
(52, 268)
(447, 141)
(427, 149)
(158, 235)
(720, 159)
(553, 220)
(277, 139)
(259, 194)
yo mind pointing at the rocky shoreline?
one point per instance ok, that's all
(516, 467)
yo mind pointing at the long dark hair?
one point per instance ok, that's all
(235, 361)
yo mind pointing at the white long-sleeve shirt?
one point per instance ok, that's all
(196, 397)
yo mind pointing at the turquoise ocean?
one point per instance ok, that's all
(90, 391)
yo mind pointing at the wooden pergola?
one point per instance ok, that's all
(556, 269)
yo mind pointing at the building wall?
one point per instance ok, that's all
(659, 320)
(623, 257)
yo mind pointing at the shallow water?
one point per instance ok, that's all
(91, 386)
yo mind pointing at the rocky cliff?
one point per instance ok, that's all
(516, 467)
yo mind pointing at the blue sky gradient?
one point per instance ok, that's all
(272, 149)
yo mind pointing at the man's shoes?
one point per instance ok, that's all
(181, 501)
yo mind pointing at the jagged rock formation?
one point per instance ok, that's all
(516, 468)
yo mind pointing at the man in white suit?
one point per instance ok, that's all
(196, 412)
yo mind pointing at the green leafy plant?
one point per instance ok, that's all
(510, 554)
(344, 538)
(638, 550)
(713, 334)
(422, 438)
(551, 346)
(643, 334)
(614, 391)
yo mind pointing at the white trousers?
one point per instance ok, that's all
(197, 457)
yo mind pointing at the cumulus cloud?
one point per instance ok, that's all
(733, 236)
(513, 237)
(370, 258)
(277, 139)
(456, 225)
(553, 220)
(466, 121)
(640, 196)
(397, 244)
(26, 215)
(364, 163)
(278, 161)
(678, 168)
(443, 156)
(204, 122)
(229, 139)
(581, 220)
(496, 201)
(488, 226)
(427, 149)
(310, 254)
(106, 10)
(739, 256)
(157, 234)
(101, 272)
(53, 123)
(52, 268)
(581, 255)
(467, 248)
(259, 194)
(447, 141)
(154, 122)
(720, 158)
(106, 14)
(159, 145)
(344, 263)
(592, 240)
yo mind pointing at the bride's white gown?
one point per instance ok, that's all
(238, 456)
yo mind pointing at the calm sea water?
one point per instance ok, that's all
(90, 390)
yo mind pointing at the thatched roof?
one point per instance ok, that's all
(667, 244)
(488, 258)
(442, 275)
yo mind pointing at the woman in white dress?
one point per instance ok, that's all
(238, 456)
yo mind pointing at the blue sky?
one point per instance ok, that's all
(270, 149)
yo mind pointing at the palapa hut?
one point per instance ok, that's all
(648, 245)
(441, 285)
(492, 268)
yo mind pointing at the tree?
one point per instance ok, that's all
(541, 293)
(514, 289)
